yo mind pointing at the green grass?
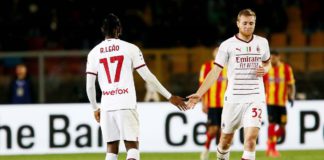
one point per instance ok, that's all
(285, 155)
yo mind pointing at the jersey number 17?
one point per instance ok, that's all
(119, 60)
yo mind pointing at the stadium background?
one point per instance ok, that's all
(53, 38)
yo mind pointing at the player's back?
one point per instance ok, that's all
(114, 60)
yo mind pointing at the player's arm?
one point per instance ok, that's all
(291, 88)
(265, 66)
(91, 93)
(92, 70)
(207, 83)
(201, 79)
(291, 93)
(146, 74)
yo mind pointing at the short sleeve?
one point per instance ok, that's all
(137, 58)
(92, 64)
(266, 55)
(290, 77)
(222, 55)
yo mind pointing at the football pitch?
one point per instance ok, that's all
(285, 155)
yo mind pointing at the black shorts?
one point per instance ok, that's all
(214, 116)
(277, 114)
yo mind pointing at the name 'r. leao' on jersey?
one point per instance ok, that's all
(113, 61)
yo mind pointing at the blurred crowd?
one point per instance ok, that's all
(75, 24)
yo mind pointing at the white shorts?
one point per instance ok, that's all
(119, 125)
(237, 115)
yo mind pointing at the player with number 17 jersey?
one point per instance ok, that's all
(113, 60)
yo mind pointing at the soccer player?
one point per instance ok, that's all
(280, 86)
(113, 61)
(247, 57)
(212, 104)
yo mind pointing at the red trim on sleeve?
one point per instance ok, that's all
(91, 73)
(267, 60)
(140, 66)
(218, 65)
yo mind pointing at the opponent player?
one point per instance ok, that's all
(113, 61)
(247, 57)
(212, 104)
(280, 86)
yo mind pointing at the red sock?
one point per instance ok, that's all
(209, 139)
(272, 138)
(271, 130)
(280, 132)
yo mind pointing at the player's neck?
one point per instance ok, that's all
(246, 38)
(111, 37)
(276, 64)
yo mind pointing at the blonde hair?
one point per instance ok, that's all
(246, 12)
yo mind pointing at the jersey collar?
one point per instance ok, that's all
(244, 40)
(109, 39)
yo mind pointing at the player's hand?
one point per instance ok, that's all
(178, 102)
(193, 100)
(291, 101)
(97, 115)
(260, 71)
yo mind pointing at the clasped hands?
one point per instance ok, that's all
(180, 102)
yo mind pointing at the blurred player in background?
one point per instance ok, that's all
(212, 104)
(113, 61)
(21, 90)
(279, 86)
(151, 95)
(247, 57)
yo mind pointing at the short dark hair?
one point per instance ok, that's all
(274, 52)
(111, 26)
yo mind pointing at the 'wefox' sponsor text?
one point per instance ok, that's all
(117, 91)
